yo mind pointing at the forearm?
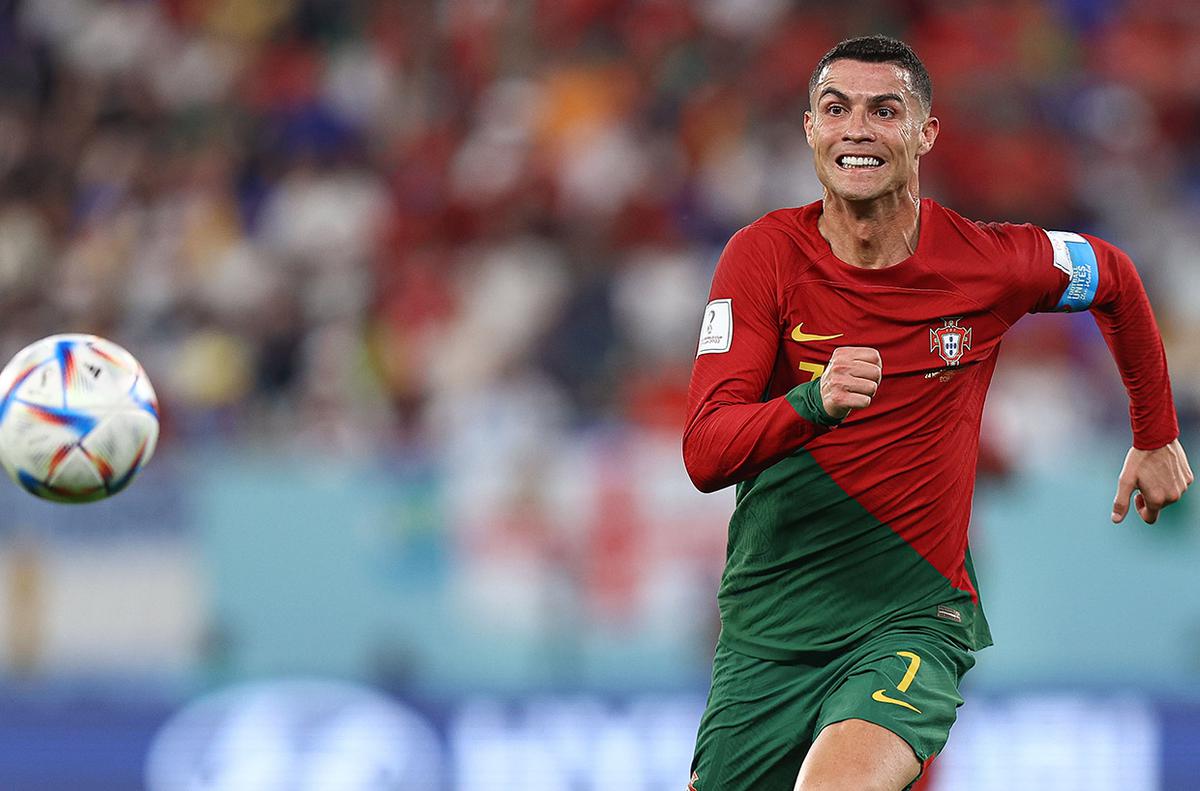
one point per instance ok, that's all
(1127, 322)
(725, 443)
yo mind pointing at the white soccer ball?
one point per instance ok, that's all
(78, 418)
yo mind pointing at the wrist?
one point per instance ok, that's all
(806, 400)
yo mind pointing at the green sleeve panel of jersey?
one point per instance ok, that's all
(809, 571)
(806, 400)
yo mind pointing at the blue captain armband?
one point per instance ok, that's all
(1074, 255)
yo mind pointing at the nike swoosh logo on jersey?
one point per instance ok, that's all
(799, 336)
(882, 698)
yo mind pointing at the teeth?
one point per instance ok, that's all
(860, 162)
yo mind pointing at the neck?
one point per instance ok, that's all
(872, 234)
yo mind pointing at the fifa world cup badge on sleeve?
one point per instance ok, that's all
(716, 333)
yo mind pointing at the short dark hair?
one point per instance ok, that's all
(879, 49)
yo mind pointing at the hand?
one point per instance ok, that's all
(850, 380)
(1160, 477)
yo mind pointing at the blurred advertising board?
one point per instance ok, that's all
(321, 735)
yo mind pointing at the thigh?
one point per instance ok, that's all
(906, 683)
(757, 725)
(855, 755)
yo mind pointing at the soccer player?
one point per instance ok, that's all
(839, 382)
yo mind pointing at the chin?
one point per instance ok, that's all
(856, 190)
(857, 194)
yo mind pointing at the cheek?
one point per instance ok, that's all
(911, 139)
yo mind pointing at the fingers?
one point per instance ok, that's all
(850, 380)
(1125, 486)
(1151, 501)
(1148, 514)
(1147, 503)
(864, 353)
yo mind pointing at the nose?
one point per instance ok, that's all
(858, 129)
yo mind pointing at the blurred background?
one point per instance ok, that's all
(419, 286)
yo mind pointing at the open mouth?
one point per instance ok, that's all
(850, 162)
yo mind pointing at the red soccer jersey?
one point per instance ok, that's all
(839, 530)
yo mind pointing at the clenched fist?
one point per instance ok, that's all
(850, 380)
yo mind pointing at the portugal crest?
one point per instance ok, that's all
(950, 341)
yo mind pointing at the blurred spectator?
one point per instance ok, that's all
(472, 230)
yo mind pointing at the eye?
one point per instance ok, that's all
(886, 112)
(835, 109)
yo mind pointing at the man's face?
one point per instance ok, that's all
(867, 129)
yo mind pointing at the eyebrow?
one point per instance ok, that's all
(880, 99)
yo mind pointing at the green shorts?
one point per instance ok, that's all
(763, 716)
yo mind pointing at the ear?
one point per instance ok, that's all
(929, 133)
(808, 127)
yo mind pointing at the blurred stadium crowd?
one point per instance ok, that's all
(366, 224)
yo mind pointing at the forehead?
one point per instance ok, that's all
(857, 78)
